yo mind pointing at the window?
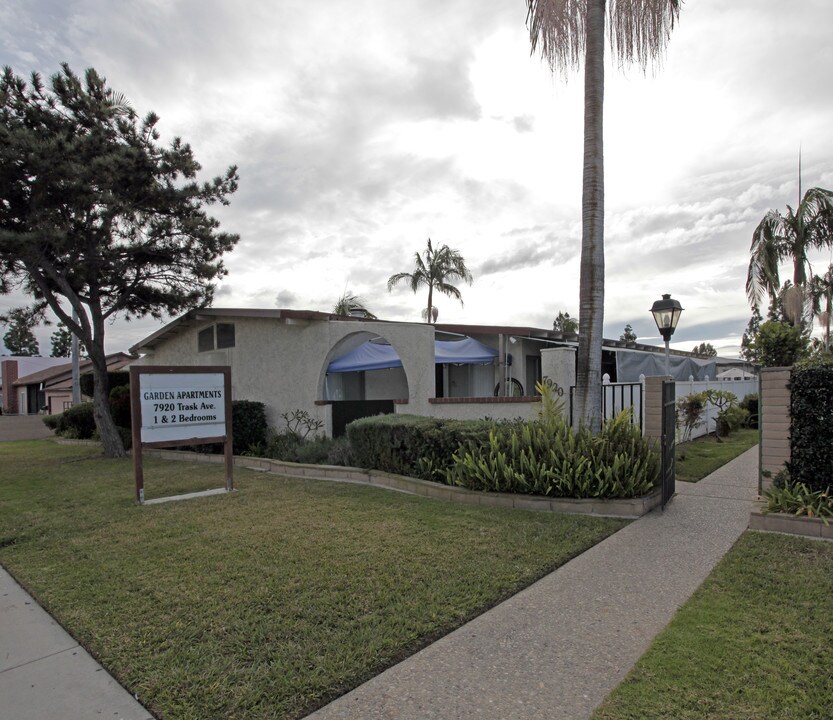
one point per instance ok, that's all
(205, 340)
(217, 336)
(225, 335)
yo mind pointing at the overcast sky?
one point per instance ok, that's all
(362, 127)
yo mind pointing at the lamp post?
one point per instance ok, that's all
(666, 314)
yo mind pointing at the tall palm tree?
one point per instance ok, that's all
(434, 268)
(780, 238)
(567, 32)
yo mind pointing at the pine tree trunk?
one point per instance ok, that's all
(110, 438)
(591, 281)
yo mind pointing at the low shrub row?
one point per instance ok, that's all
(413, 445)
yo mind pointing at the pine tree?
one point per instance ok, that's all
(119, 226)
(19, 338)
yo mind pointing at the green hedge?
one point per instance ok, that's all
(413, 445)
(811, 426)
(77, 422)
(248, 423)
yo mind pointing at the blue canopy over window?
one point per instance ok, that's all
(372, 356)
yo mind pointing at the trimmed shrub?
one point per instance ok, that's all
(249, 426)
(811, 424)
(411, 444)
(750, 404)
(340, 452)
(120, 406)
(730, 419)
(51, 421)
(77, 422)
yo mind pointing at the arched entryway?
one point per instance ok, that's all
(363, 375)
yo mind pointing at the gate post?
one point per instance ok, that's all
(669, 429)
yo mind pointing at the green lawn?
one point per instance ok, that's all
(266, 602)
(702, 456)
(753, 643)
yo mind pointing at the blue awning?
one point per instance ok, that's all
(372, 356)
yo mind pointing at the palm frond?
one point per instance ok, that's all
(640, 29)
(557, 29)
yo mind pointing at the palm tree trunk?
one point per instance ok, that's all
(428, 316)
(591, 281)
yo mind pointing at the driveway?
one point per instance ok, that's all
(23, 427)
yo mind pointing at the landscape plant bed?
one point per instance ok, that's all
(628, 508)
(752, 642)
(267, 602)
(702, 456)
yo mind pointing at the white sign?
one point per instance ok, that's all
(182, 406)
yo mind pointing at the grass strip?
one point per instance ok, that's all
(753, 642)
(702, 456)
(267, 602)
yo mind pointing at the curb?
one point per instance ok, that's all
(625, 508)
(790, 524)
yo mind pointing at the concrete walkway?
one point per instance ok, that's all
(45, 674)
(555, 650)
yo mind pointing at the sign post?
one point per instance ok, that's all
(173, 405)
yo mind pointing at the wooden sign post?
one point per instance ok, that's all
(175, 405)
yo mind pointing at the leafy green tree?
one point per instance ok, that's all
(567, 32)
(97, 217)
(19, 338)
(565, 324)
(628, 335)
(779, 344)
(434, 268)
(704, 349)
(780, 238)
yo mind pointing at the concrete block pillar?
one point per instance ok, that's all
(652, 403)
(774, 423)
(558, 368)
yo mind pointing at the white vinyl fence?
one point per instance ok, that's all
(741, 388)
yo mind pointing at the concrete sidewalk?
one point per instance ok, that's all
(45, 674)
(556, 649)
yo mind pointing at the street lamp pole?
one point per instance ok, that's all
(666, 314)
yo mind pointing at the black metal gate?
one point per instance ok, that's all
(669, 428)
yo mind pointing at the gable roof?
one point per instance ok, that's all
(54, 376)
